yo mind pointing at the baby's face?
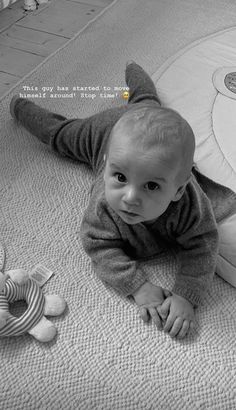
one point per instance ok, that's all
(139, 185)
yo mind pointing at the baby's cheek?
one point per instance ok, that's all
(156, 207)
(111, 197)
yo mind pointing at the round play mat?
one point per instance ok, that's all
(200, 83)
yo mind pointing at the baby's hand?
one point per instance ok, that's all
(149, 297)
(179, 315)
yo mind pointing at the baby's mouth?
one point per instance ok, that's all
(128, 213)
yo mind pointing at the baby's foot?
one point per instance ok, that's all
(12, 106)
(130, 62)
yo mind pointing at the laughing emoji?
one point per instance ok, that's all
(125, 95)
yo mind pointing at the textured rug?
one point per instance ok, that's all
(104, 357)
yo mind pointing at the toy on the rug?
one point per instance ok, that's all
(16, 285)
(31, 5)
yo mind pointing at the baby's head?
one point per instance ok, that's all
(148, 162)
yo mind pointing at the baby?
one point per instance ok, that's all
(147, 198)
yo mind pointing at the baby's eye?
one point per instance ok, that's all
(120, 177)
(152, 186)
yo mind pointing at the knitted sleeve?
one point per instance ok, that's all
(103, 243)
(195, 230)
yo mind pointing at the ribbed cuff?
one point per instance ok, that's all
(129, 288)
(192, 296)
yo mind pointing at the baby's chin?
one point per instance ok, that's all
(132, 219)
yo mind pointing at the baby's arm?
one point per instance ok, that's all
(178, 314)
(105, 246)
(193, 227)
(102, 241)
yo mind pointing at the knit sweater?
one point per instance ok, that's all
(188, 229)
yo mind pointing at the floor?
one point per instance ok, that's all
(28, 37)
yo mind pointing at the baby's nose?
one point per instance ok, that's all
(131, 196)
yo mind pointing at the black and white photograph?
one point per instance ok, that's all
(118, 204)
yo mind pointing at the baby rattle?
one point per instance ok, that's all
(16, 285)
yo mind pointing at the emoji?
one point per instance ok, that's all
(125, 95)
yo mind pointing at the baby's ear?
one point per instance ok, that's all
(181, 190)
(179, 193)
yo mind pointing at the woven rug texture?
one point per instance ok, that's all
(104, 357)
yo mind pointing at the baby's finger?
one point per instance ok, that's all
(155, 317)
(167, 292)
(176, 327)
(169, 322)
(144, 314)
(184, 330)
(191, 326)
(163, 310)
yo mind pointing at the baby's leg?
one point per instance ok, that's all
(80, 139)
(141, 86)
(226, 262)
(37, 120)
